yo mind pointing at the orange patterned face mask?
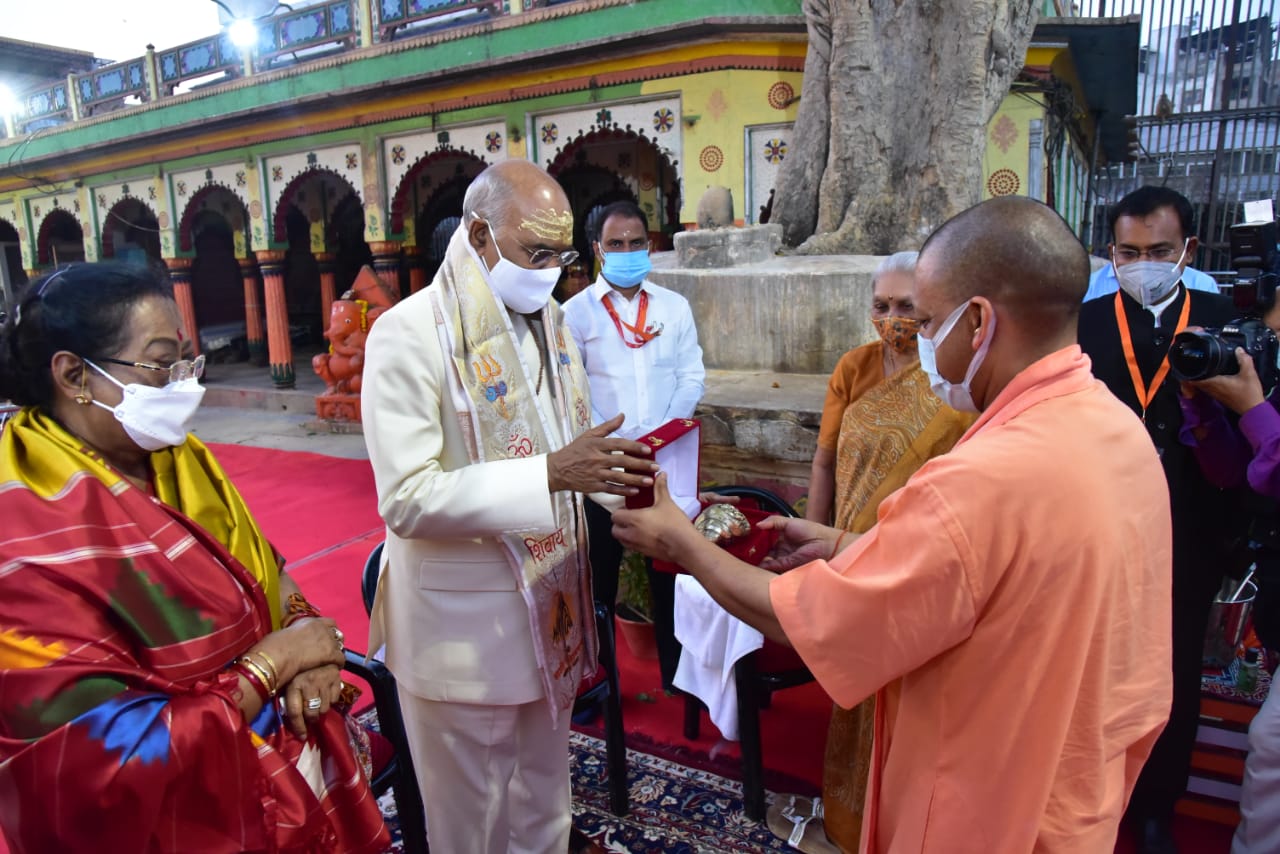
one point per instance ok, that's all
(897, 331)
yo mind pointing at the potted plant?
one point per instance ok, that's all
(634, 611)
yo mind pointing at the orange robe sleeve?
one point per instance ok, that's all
(886, 605)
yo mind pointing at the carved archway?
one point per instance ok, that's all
(468, 165)
(11, 258)
(290, 197)
(588, 187)
(207, 197)
(443, 206)
(60, 239)
(647, 171)
(217, 288)
(134, 219)
(344, 234)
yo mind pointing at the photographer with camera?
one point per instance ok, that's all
(1127, 336)
(1235, 369)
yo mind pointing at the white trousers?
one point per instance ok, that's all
(494, 779)
(1259, 830)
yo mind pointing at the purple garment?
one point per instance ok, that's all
(1230, 457)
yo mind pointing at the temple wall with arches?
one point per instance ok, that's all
(625, 131)
(215, 219)
(264, 196)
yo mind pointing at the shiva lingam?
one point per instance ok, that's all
(722, 524)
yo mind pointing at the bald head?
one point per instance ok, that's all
(1016, 252)
(506, 189)
(515, 210)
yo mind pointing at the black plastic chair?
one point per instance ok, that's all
(397, 775)
(607, 691)
(756, 676)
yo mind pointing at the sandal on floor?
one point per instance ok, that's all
(798, 820)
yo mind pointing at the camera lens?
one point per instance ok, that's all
(1200, 355)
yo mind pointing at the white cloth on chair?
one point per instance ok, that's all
(712, 641)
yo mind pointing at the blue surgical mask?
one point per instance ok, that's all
(626, 269)
(956, 395)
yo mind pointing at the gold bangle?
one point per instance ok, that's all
(275, 671)
(256, 669)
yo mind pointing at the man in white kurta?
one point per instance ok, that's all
(473, 393)
(640, 348)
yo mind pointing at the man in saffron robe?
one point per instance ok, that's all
(1017, 587)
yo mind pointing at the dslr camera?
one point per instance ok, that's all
(1212, 352)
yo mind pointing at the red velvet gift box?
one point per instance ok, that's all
(752, 549)
(677, 448)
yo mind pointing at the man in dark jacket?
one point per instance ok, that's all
(1127, 336)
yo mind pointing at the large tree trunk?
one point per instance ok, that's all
(893, 113)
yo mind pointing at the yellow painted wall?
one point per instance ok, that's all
(724, 103)
(1004, 163)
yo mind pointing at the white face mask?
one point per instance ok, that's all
(153, 417)
(520, 289)
(955, 395)
(1149, 282)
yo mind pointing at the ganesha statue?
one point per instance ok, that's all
(348, 330)
(350, 320)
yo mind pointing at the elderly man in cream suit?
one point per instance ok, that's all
(473, 396)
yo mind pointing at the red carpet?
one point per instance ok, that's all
(321, 513)
(793, 729)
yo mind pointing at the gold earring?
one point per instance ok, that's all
(82, 397)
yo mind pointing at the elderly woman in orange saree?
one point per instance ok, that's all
(880, 423)
(163, 684)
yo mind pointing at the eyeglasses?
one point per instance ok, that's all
(1160, 253)
(183, 369)
(540, 257)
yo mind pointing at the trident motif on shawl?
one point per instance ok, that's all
(489, 371)
(560, 348)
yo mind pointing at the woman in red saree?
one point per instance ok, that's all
(163, 685)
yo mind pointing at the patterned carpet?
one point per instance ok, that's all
(673, 808)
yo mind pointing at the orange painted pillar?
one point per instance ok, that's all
(253, 312)
(417, 273)
(386, 263)
(328, 287)
(279, 348)
(180, 274)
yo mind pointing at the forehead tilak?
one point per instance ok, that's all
(550, 224)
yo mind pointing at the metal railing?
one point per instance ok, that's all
(201, 58)
(310, 30)
(1208, 122)
(318, 29)
(407, 15)
(110, 85)
(45, 105)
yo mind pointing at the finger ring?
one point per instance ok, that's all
(337, 633)
(313, 704)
